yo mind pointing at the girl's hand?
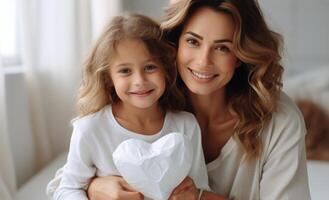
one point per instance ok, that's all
(185, 190)
(112, 188)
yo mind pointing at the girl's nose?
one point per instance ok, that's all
(139, 79)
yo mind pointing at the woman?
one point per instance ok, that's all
(252, 134)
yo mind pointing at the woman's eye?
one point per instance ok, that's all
(192, 41)
(223, 48)
(150, 68)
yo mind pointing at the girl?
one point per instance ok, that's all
(128, 91)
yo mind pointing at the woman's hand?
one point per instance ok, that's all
(185, 190)
(112, 188)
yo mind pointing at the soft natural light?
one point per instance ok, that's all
(8, 26)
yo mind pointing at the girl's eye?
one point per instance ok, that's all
(192, 42)
(150, 68)
(124, 71)
(223, 48)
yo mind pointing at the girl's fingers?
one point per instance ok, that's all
(185, 184)
(188, 193)
(128, 192)
(127, 195)
(126, 186)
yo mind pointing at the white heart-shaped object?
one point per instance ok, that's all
(155, 169)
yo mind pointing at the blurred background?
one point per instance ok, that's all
(44, 42)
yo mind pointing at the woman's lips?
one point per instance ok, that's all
(200, 76)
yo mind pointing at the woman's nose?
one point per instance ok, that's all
(203, 57)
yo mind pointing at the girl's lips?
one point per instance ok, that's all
(142, 93)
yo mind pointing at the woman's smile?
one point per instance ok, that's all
(202, 76)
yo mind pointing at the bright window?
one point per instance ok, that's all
(9, 40)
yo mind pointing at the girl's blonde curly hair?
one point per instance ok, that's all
(96, 89)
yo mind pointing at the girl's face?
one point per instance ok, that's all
(206, 61)
(138, 79)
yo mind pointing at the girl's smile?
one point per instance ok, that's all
(141, 93)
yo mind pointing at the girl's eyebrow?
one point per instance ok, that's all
(123, 65)
(201, 38)
(149, 60)
(127, 64)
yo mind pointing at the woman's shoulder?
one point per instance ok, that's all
(288, 111)
(286, 124)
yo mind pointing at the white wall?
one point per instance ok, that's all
(151, 8)
(305, 27)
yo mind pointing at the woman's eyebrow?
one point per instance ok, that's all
(195, 35)
(215, 41)
(222, 41)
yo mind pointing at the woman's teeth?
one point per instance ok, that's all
(201, 75)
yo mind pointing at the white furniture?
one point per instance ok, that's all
(318, 173)
(35, 188)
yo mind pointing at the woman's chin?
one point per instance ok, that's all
(200, 90)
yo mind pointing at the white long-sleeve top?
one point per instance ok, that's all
(96, 136)
(278, 174)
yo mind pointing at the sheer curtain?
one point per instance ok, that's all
(56, 36)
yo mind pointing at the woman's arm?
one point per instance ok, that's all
(101, 188)
(284, 172)
(112, 188)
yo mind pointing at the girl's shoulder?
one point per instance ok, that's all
(93, 120)
(182, 116)
(184, 122)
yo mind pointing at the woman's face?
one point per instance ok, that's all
(206, 61)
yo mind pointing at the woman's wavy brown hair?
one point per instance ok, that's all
(254, 90)
(96, 89)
